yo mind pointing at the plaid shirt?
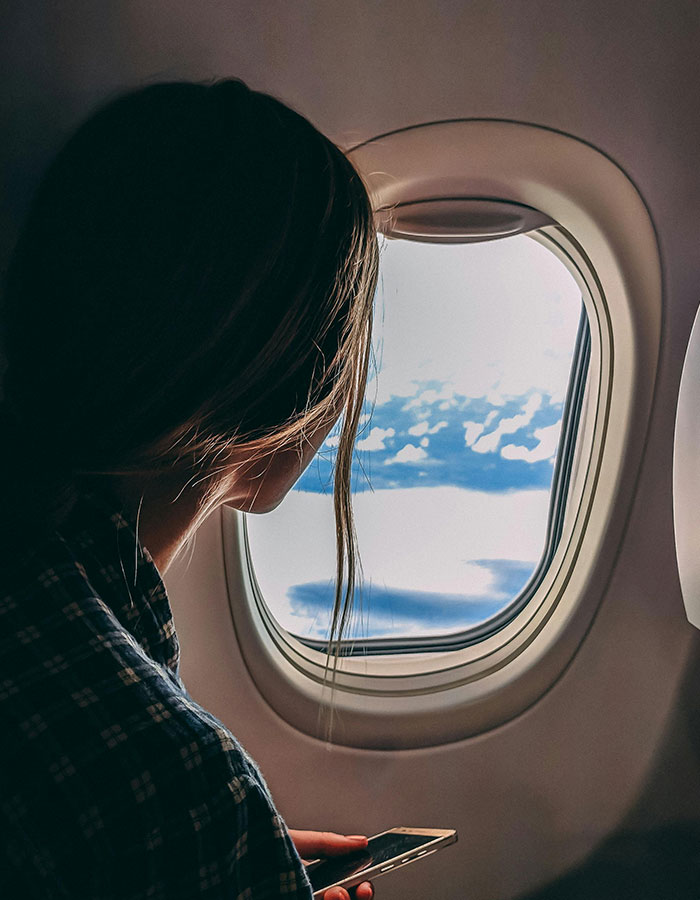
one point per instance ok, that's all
(114, 783)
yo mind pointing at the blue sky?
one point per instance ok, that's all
(444, 455)
(455, 455)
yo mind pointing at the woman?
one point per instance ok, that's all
(187, 313)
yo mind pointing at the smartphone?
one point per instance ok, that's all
(384, 853)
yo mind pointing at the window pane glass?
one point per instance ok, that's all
(474, 344)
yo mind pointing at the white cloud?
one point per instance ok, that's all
(495, 398)
(431, 396)
(408, 454)
(424, 428)
(332, 441)
(546, 448)
(424, 441)
(472, 430)
(375, 439)
(489, 442)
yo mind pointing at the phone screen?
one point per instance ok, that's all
(382, 848)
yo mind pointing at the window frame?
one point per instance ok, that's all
(558, 502)
(421, 699)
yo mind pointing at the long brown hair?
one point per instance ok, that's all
(196, 275)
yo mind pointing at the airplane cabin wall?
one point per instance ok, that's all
(614, 743)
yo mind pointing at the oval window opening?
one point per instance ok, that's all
(463, 459)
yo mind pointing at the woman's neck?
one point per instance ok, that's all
(164, 510)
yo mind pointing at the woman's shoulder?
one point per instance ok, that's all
(75, 677)
(129, 781)
(107, 763)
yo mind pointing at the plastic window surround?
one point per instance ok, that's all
(606, 238)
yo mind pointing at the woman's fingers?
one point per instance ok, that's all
(336, 893)
(311, 844)
(364, 891)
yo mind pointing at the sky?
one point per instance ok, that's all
(454, 459)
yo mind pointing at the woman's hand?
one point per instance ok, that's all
(315, 844)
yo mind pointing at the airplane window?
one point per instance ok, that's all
(499, 456)
(463, 458)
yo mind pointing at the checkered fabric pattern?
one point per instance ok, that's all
(114, 783)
